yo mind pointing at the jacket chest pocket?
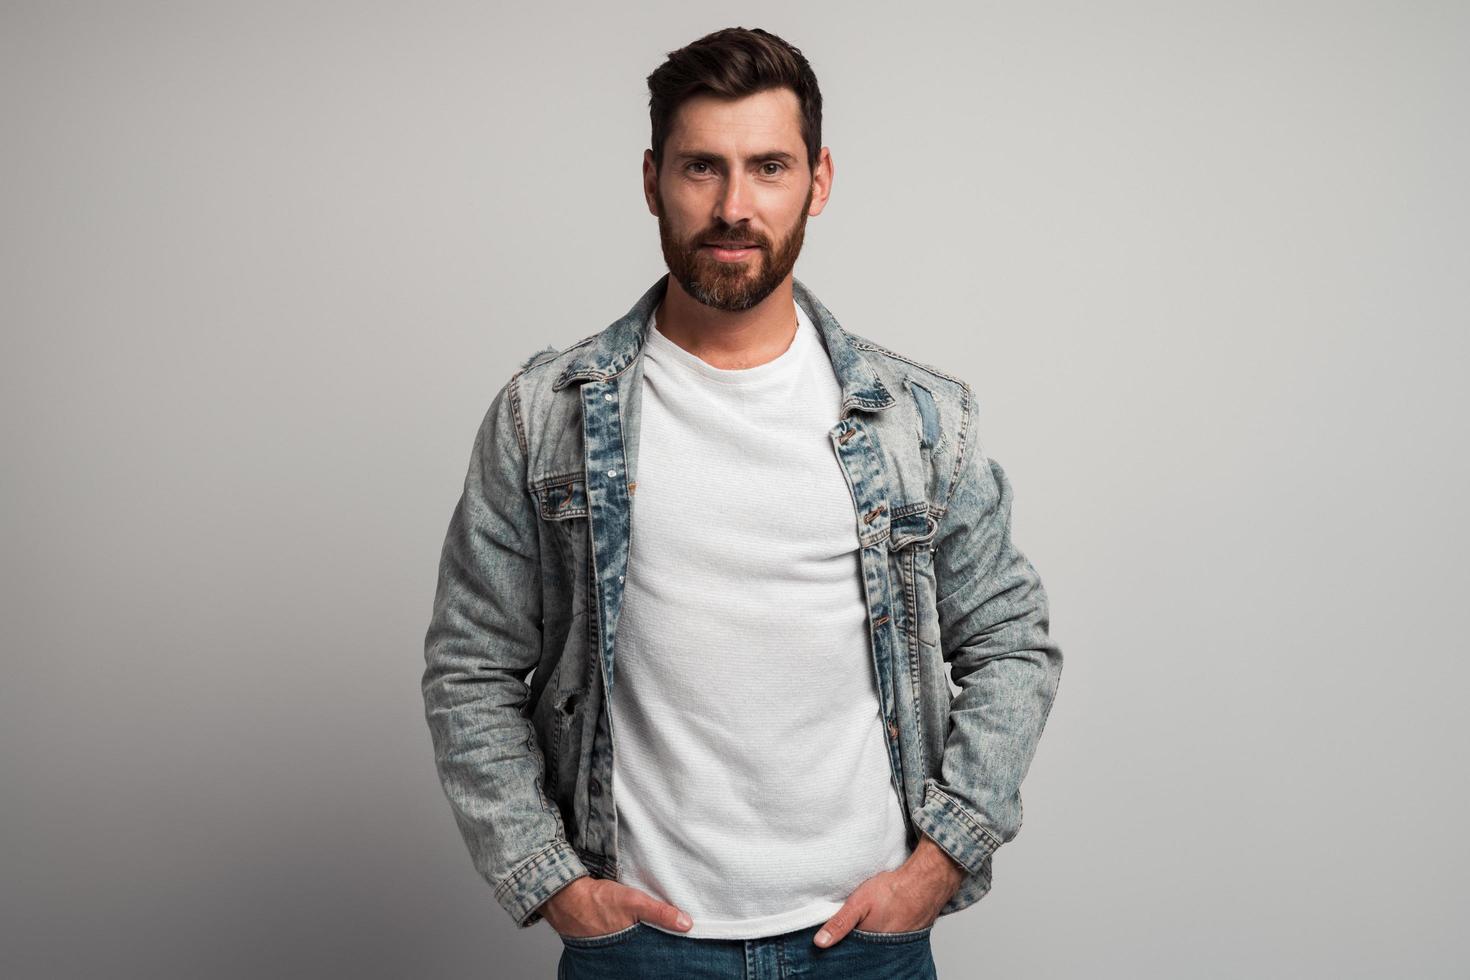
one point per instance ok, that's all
(561, 502)
(928, 680)
(909, 544)
(562, 498)
(925, 612)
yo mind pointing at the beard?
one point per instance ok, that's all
(730, 286)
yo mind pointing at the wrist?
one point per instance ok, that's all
(933, 861)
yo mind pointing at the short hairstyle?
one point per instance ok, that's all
(732, 63)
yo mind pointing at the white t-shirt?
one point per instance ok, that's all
(750, 767)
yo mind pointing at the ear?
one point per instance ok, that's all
(650, 182)
(822, 182)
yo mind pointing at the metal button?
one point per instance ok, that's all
(607, 397)
(612, 472)
(595, 787)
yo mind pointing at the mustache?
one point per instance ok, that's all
(729, 235)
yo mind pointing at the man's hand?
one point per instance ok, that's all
(899, 901)
(591, 906)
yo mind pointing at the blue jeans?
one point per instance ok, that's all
(644, 952)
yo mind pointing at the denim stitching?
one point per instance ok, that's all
(911, 594)
(532, 863)
(607, 939)
(866, 344)
(955, 807)
(515, 412)
(893, 938)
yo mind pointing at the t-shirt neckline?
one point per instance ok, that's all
(760, 373)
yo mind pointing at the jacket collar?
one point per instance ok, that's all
(610, 352)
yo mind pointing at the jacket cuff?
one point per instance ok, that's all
(954, 828)
(971, 890)
(538, 878)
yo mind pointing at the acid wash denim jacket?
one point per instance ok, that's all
(519, 649)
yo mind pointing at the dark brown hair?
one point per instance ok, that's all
(732, 63)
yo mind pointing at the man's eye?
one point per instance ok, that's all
(698, 163)
(771, 163)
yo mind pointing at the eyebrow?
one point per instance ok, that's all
(781, 155)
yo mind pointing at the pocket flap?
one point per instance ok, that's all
(911, 529)
(562, 500)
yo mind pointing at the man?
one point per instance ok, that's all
(764, 634)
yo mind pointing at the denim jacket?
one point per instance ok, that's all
(519, 649)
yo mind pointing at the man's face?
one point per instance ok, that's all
(734, 173)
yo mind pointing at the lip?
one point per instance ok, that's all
(724, 253)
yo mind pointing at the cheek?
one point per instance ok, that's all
(685, 223)
(687, 200)
(788, 214)
(787, 235)
(674, 229)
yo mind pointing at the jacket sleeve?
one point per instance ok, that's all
(993, 630)
(483, 640)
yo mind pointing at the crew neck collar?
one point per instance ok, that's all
(776, 367)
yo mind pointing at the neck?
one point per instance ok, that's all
(729, 340)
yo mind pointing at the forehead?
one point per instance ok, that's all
(750, 124)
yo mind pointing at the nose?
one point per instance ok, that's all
(733, 205)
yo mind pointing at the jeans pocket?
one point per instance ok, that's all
(912, 936)
(609, 939)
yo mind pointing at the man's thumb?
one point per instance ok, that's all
(652, 911)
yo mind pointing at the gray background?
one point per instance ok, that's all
(265, 264)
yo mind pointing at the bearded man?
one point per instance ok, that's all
(738, 753)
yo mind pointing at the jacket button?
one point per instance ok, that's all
(595, 787)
